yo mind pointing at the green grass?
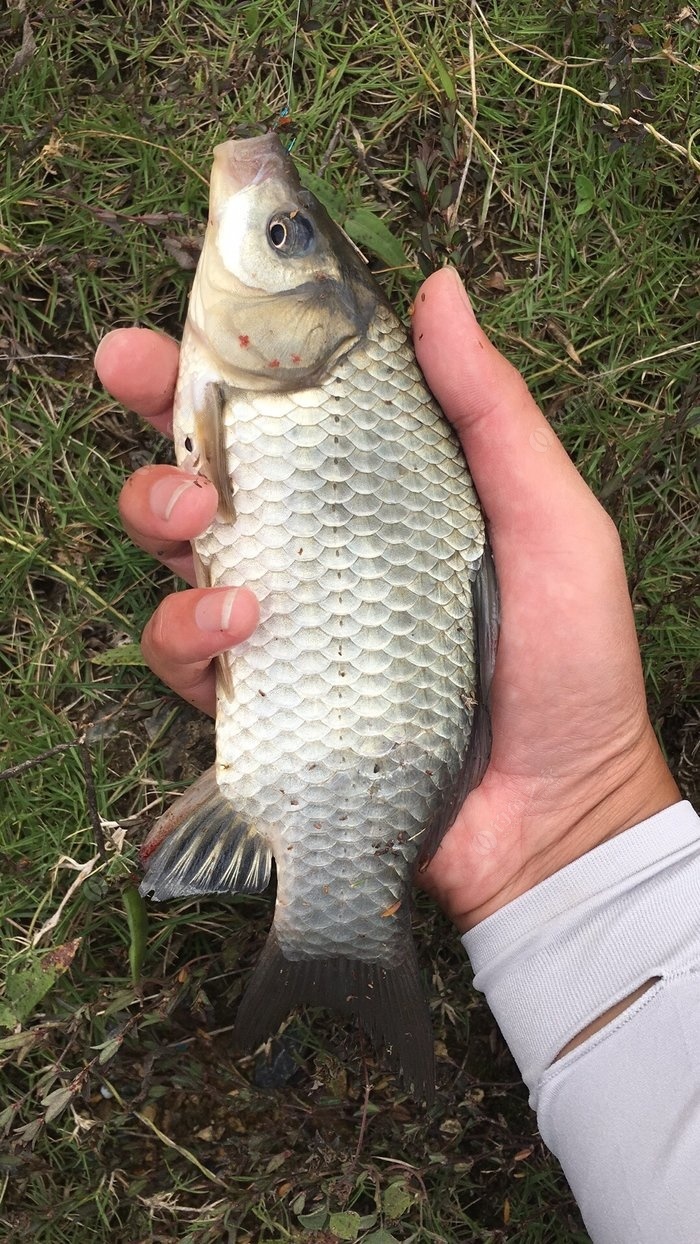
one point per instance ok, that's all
(124, 1115)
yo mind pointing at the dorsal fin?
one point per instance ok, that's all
(485, 614)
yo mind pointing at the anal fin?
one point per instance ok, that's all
(200, 846)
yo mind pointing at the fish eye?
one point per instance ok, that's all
(290, 233)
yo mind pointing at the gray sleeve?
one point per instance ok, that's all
(622, 1110)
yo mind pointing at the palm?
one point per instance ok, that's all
(570, 726)
(557, 717)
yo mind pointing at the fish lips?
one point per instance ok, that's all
(241, 163)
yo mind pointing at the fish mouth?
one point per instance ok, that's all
(241, 163)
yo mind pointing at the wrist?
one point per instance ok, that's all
(579, 816)
(580, 951)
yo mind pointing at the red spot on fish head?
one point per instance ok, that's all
(243, 341)
(296, 358)
(274, 363)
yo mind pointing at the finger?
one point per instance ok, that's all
(162, 508)
(523, 474)
(188, 629)
(139, 368)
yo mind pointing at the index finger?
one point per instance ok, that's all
(139, 368)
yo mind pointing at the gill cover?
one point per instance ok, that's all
(280, 291)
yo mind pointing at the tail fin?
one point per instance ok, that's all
(388, 1002)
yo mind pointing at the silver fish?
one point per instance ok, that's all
(353, 723)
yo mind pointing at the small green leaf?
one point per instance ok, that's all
(55, 1102)
(421, 171)
(583, 207)
(380, 1237)
(397, 1199)
(109, 1049)
(584, 188)
(334, 202)
(8, 1019)
(346, 1225)
(137, 920)
(447, 195)
(445, 77)
(7, 1117)
(315, 1220)
(16, 1040)
(27, 1135)
(277, 1160)
(124, 654)
(250, 17)
(25, 988)
(370, 231)
(120, 1001)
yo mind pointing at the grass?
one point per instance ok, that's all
(487, 138)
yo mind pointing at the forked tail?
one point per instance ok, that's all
(389, 1003)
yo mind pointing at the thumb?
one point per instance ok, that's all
(524, 476)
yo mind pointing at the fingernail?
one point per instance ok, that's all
(213, 612)
(163, 497)
(459, 287)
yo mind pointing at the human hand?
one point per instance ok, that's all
(162, 509)
(574, 757)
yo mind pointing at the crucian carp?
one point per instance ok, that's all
(353, 723)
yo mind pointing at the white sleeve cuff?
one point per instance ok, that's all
(560, 955)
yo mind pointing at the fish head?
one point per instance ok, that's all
(280, 291)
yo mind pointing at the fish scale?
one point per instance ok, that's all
(347, 726)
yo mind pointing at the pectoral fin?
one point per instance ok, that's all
(210, 432)
(211, 460)
(200, 846)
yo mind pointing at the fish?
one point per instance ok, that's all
(355, 720)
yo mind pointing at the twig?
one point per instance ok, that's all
(25, 765)
(335, 139)
(363, 1120)
(649, 358)
(454, 210)
(83, 874)
(91, 798)
(20, 357)
(90, 793)
(671, 510)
